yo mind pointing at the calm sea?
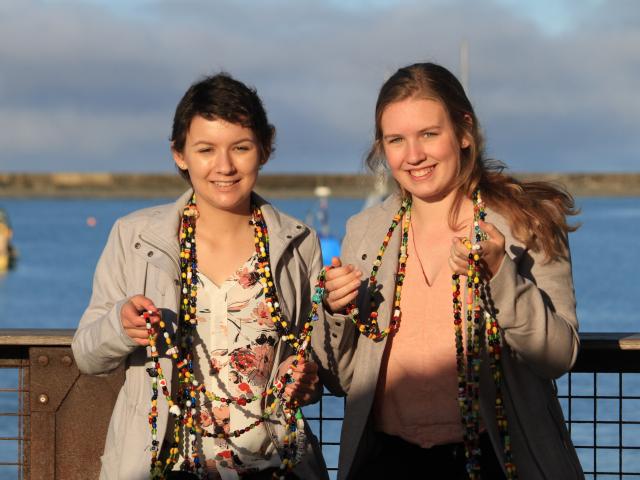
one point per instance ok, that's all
(58, 252)
(59, 249)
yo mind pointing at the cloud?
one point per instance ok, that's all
(92, 86)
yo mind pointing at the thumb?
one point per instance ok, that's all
(495, 235)
(143, 304)
(335, 262)
(488, 228)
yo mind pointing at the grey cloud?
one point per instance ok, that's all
(547, 102)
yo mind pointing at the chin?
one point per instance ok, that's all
(429, 194)
(231, 202)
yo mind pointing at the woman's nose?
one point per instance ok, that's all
(415, 153)
(224, 163)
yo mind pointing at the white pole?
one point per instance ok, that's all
(464, 65)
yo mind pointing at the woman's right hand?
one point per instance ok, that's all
(132, 320)
(341, 285)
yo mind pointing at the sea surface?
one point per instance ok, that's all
(59, 242)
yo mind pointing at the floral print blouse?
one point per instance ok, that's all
(235, 347)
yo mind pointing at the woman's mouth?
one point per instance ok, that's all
(224, 183)
(422, 172)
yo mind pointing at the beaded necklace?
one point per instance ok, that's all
(369, 328)
(184, 407)
(468, 360)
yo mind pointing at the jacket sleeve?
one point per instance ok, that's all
(334, 339)
(100, 343)
(535, 305)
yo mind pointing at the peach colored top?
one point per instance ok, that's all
(416, 397)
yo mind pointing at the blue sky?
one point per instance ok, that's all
(91, 85)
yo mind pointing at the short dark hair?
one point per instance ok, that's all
(222, 97)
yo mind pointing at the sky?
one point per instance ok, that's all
(92, 85)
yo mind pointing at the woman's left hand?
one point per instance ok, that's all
(305, 388)
(491, 252)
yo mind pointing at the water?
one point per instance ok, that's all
(58, 253)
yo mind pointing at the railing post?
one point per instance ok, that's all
(69, 415)
(51, 377)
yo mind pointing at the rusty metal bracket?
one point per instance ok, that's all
(69, 415)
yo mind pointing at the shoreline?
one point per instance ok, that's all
(134, 185)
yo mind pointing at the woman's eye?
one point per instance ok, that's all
(429, 134)
(243, 148)
(395, 140)
(205, 150)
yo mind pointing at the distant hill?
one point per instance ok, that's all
(29, 185)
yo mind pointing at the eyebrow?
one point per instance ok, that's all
(204, 142)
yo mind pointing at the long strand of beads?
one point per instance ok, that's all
(494, 347)
(370, 328)
(185, 407)
(468, 382)
(469, 365)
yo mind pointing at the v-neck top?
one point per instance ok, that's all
(234, 348)
(416, 397)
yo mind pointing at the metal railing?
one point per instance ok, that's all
(601, 402)
(53, 420)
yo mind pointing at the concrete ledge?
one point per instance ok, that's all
(32, 185)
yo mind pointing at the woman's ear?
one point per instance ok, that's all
(178, 157)
(466, 139)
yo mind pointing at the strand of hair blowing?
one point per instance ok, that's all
(536, 211)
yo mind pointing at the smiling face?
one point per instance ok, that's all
(421, 147)
(223, 160)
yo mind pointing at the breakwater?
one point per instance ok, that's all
(132, 185)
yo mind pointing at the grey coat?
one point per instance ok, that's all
(535, 302)
(141, 258)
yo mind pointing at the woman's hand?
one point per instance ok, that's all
(491, 252)
(305, 388)
(132, 320)
(341, 285)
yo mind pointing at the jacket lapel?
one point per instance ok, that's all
(282, 231)
(161, 232)
(386, 278)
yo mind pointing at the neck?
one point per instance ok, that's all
(430, 213)
(224, 223)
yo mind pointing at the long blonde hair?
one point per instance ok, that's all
(536, 211)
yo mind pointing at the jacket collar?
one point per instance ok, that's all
(163, 225)
(161, 230)
(282, 228)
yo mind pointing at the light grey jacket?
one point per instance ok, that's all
(141, 257)
(535, 305)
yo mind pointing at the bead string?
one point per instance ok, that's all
(468, 360)
(370, 328)
(184, 407)
(469, 374)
